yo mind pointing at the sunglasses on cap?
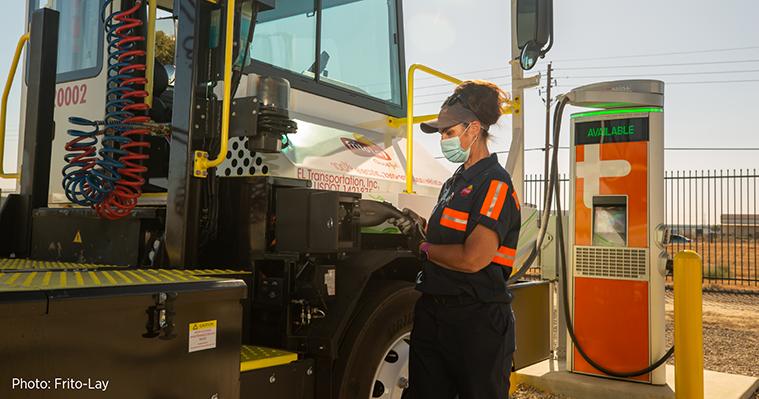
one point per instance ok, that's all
(453, 98)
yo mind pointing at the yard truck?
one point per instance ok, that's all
(202, 202)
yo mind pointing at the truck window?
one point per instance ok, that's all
(80, 39)
(285, 37)
(359, 44)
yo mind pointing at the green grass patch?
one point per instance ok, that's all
(718, 271)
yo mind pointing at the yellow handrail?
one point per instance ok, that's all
(398, 122)
(410, 117)
(150, 56)
(4, 107)
(201, 161)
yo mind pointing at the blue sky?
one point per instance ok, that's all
(595, 40)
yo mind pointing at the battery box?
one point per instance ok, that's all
(119, 333)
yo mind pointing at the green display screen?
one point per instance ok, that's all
(611, 131)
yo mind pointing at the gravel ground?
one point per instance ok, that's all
(731, 342)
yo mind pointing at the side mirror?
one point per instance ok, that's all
(534, 29)
(529, 55)
(170, 70)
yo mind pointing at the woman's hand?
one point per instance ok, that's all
(413, 226)
(405, 223)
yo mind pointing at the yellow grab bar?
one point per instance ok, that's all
(398, 122)
(150, 56)
(4, 107)
(410, 117)
(201, 161)
(514, 107)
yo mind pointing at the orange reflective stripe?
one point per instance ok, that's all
(505, 256)
(454, 219)
(494, 200)
(507, 251)
(516, 200)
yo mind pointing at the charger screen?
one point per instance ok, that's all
(609, 226)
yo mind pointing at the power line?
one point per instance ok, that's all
(659, 54)
(693, 83)
(656, 74)
(657, 65)
(636, 75)
(602, 58)
(449, 84)
(715, 81)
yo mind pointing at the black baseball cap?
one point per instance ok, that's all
(450, 115)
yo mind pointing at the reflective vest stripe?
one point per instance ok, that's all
(495, 198)
(505, 256)
(456, 220)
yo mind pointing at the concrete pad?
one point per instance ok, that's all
(552, 376)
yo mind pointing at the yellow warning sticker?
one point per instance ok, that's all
(78, 237)
(202, 325)
(202, 336)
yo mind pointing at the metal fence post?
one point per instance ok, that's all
(689, 338)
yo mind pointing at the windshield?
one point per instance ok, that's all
(357, 44)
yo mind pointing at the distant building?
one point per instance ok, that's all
(742, 225)
(691, 230)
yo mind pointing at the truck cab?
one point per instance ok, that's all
(324, 304)
(198, 180)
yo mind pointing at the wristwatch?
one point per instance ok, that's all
(424, 249)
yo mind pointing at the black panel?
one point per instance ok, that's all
(40, 125)
(15, 225)
(317, 221)
(244, 227)
(81, 239)
(292, 380)
(322, 220)
(92, 335)
(611, 131)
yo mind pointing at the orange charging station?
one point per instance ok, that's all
(616, 231)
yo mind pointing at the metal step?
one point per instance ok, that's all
(34, 275)
(26, 264)
(257, 357)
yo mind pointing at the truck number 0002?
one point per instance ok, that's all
(71, 95)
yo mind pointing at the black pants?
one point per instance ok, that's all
(463, 348)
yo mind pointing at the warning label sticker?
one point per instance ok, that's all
(202, 335)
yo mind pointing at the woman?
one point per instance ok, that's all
(463, 338)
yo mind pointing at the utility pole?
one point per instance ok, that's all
(548, 133)
(515, 162)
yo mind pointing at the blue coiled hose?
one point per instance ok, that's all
(98, 181)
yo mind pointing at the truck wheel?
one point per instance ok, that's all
(373, 357)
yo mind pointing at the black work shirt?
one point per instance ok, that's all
(482, 194)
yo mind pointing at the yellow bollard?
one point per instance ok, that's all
(689, 337)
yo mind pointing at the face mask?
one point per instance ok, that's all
(452, 148)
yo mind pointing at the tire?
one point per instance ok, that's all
(373, 357)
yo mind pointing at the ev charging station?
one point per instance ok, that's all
(616, 233)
